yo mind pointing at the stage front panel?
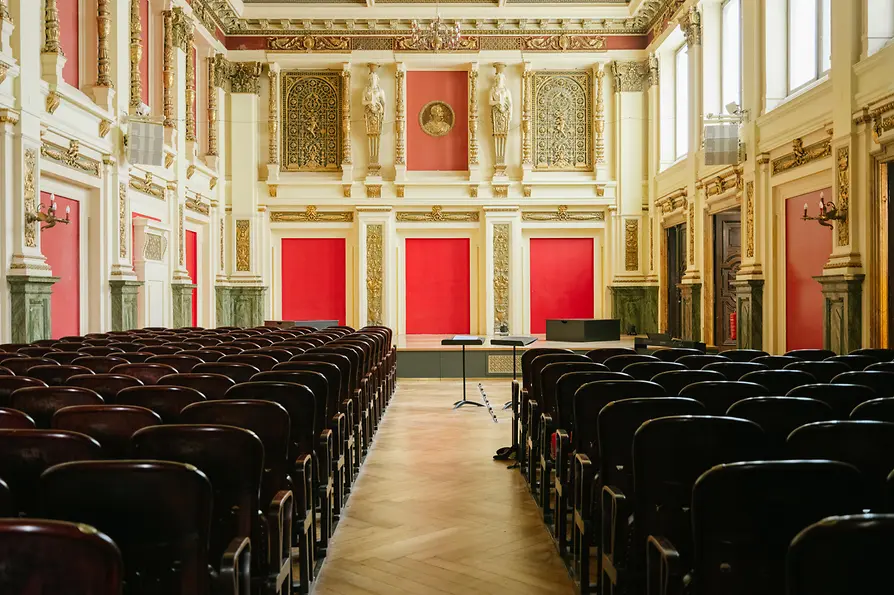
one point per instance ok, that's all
(437, 282)
(62, 247)
(313, 279)
(561, 280)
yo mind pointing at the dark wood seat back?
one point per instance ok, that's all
(567, 386)
(100, 350)
(676, 380)
(157, 512)
(262, 362)
(541, 362)
(698, 362)
(57, 375)
(719, 396)
(107, 385)
(810, 355)
(735, 370)
(235, 371)
(212, 386)
(101, 364)
(145, 372)
(317, 384)
(823, 371)
(336, 390)
(166, 401)
(549, 378)
(182, 363)
(744, 355)
(13, 419)
(617, 363)
(874, 409)
(110, 425)
(776, 362)
(881, 382)
(780, 382)
(40, 402)
(601, 354)
(41, 556)
(298, 400)
(64, 357)
(205, 354)
(10, 384)
(650, 369)
(21, 366)
(780, 416)
(856, 363)
(842, 398)
(672, 354)
(592, 397)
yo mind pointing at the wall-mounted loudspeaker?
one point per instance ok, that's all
(721, 144)
(145, 143)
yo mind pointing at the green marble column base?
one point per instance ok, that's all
(691, 294)
(182, 300)
(636, 306)
(124, 304)
(842, 312)
(749, 313)
(240, 306)
(224, 305)
(29, 305)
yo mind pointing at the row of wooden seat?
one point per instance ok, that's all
(193, 455)
(614, 435)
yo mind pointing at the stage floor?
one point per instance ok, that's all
(423, 356)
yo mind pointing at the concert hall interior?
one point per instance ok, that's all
(446, 296)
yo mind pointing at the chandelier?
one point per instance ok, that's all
(437, 36)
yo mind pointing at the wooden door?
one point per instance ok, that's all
(888, 199)
(727, 259)
(676, 268)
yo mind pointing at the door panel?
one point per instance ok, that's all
(727, 259)
(676, 268)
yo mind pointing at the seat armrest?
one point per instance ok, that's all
(546, 429)
(615, 531)
(235, 568)
(303, 486)
(339, 434)
(533, 418)
(584, 474)
(279, 532)
(325, 453)
(664, 572)
(563, 454)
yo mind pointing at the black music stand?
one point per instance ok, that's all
(464, 340)
(515, 342)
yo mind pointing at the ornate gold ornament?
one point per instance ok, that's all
(527, 190)
(54, 100)
(212, 107)
(400, 190)
(309, 43)
(4, 11)
(802, 155)
(473, 115)
(563, 43)
(222, 250)
(243, 245)
(70, 157)
(8, 116)
(654, 73)
(527, 111)
(122, 220)
(311, 215)
(375, 277)
(245, 77)
(844, 181)
(212, 183)
(272, 190)
(437, 215)
(155, 247)
(721, 184)
(190, 92)
(501, 116)
(182, 241)
(30, 196)
(222, 69)
(103, 30)
(197, 205)
(273, 118)
(562, 115)
(105, 126)
(312, 136)
(691, 232)
(409, 44)
(400, 118)
(473, 191)
(437, 118)
(51, 43)
(147, 186)
(630, 77)
(563, 214)
(169, 160)
(346, 190)
(4, 71)
(190, 171)
(691, 24)
(631, 244)
(501, 190)
(345, 75)
(374, 116)
(502, 233)
(136, 56)
(749, 220)
(373, 191)
(168, 70)
(599, 120)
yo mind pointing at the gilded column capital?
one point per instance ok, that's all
(630, 77)
(691, 24)
(245, 77)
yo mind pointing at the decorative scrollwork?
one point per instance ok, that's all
(70, 157)
(375, 278)
(147, 186)
(563, 43)
(844, 180)
(30, 195)
(154, 247)
(245, 77)
(630, 77)
(243, 245)
(311, 215)
(502, 233)
(631, 244)
(437, 215)
(562, 120)
(197, 205)
(802, 155)
(309, 43)
(429, 44)
(563, 214)
(749, 220)
(312, 131)
(122, 220)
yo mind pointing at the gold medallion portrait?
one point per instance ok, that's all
(436, 118)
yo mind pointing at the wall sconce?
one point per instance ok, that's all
(828, 212)
(48, 217)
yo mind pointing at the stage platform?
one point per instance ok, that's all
(423, 356)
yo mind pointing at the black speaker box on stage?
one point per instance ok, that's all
(583, 329)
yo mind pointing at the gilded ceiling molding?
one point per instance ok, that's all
(206, 16)
(122, 220)
(473, 115)
(168, 70)
(245, 77)
(212, 107)
(197, 205)
(51, 43)
(309, 43)
(375, 277)
(70, 157)
(722, 183)
(502, 233)
(563, 43)
(243, 245)
(749, 220)
(630, 77)
(631, 244)
(437, 215)
(674, 201)
(562, 214)
(147, 186)
(663, 16)
(843, 202)
(599, 122)
(562, 116)
(103, 30)
(311, 215)
(802, 155)
(409, 44)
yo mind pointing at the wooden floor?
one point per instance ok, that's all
(433, 513)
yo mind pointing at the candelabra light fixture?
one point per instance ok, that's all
(47, 217)
(827, 212)
(438, 35)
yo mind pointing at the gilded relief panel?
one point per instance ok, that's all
(562, 120)
(311, 131)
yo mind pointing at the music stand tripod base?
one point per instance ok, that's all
(464, 340)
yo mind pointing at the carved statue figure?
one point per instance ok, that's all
(374, 105)
(501, 105)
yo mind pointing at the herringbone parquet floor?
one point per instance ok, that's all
(432, 513)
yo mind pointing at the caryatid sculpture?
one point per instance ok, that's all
(501, 115)
(374, 114)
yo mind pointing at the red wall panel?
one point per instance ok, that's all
(807, 248)
(443, 153)
(68, 38)
(438, 286)
(144, 62)
(62, 247)
(313, 279)
(192, 267)
(561, 280)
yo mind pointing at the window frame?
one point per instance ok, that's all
(723, 78)
(683, 49)
(818, 48)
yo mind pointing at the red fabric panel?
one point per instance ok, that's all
(626, 42)
(561, 280)
(192, 267)
(144, 61)
(443, 153)
(68, 38)
(438, 288)
(62, 247)
(313, 279)
(133, 235)
(807, 248)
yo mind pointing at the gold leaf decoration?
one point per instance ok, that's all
(844, 180)
(155, 246)
(563, 214)
(309, 43)
(749, 220)
(70, 157)
(30, 197)
(631, 244)
(563, 43)
(122, 220)
(562, 118)
(311, 215)
(243, 245)
(502, 233)
(197, 205)
(802, 155)
(437, 215)
(375, 278)
(312, 131)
